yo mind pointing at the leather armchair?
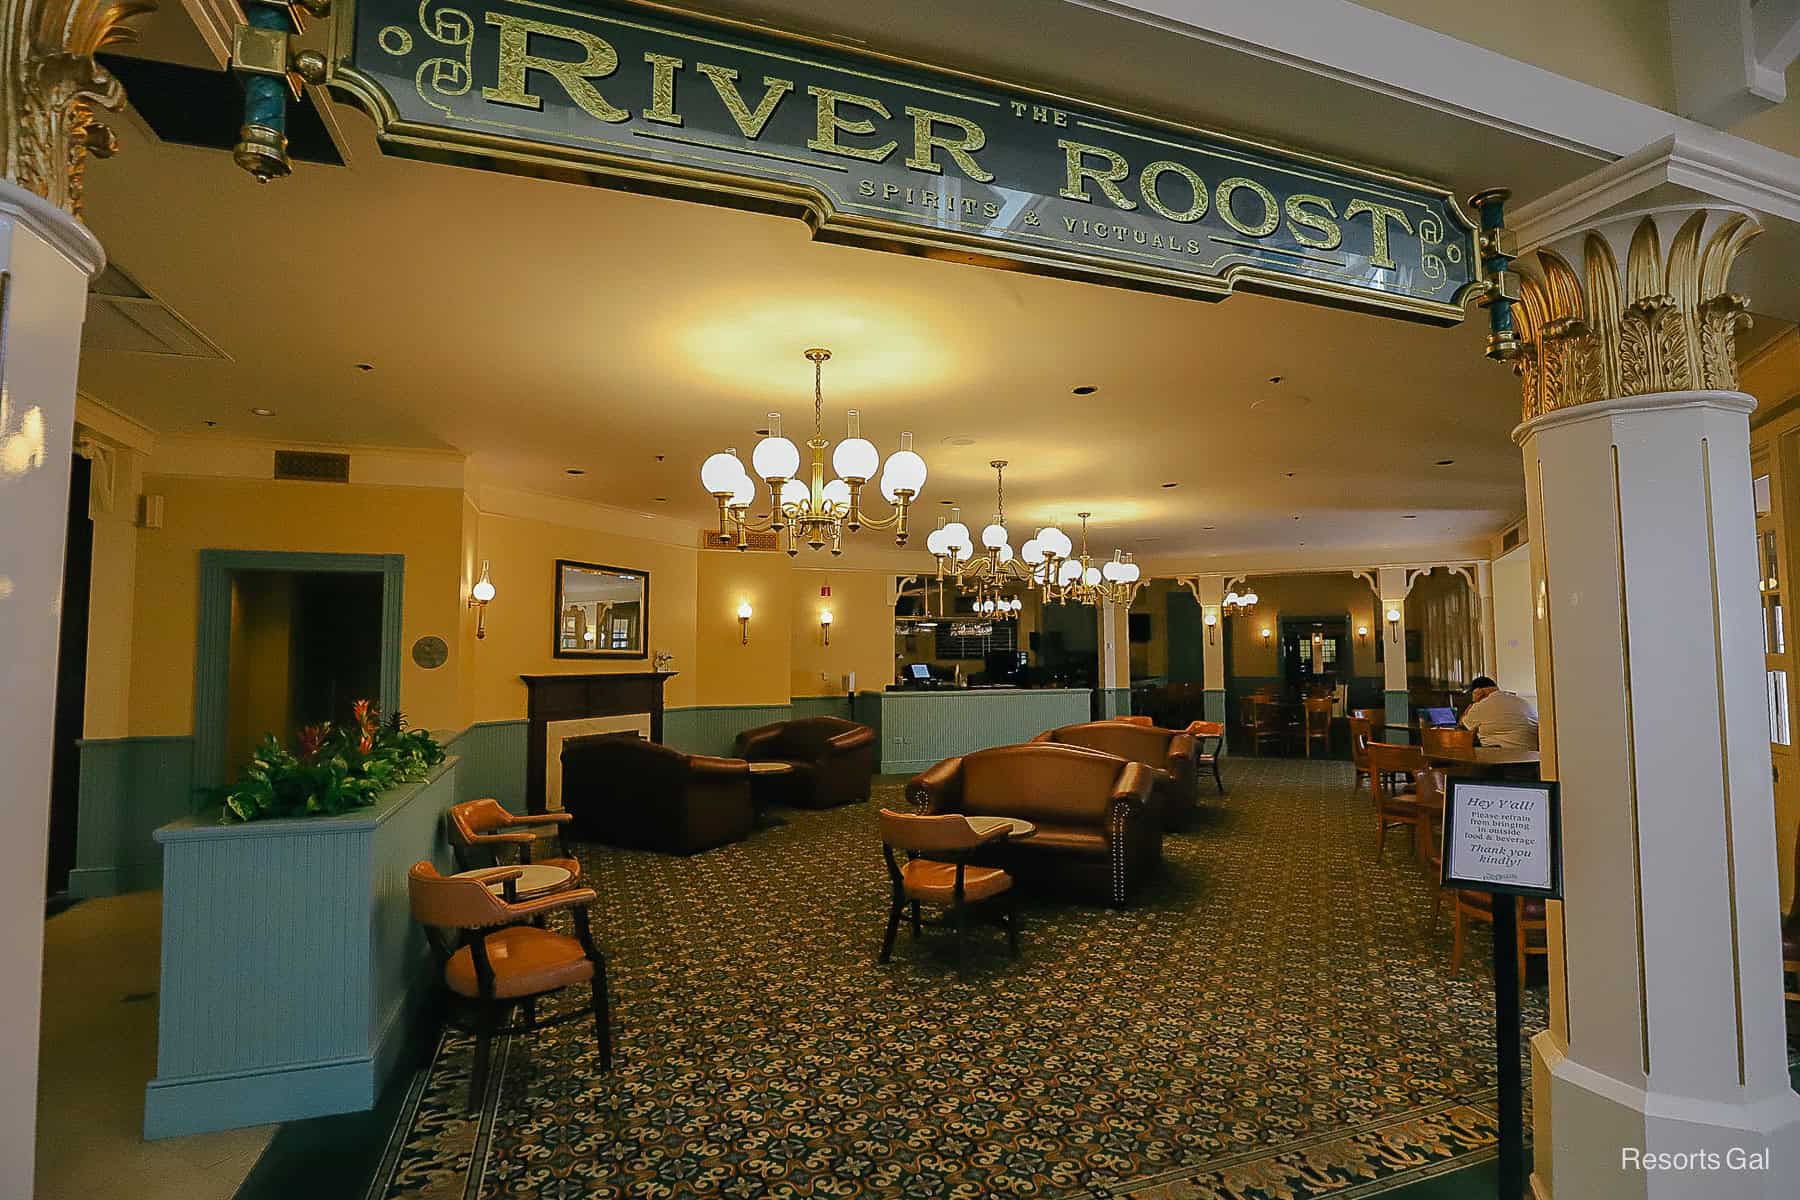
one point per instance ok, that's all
(833, 759)
(625, 791)
(1169, 754)
(1099, 827)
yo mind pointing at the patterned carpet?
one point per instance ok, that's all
(1274, 1019)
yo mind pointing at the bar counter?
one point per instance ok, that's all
(917, 729)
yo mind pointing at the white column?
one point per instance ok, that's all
(1115, 660)
(1390, 584)
(47, 257)
(1666, 1032)
(1209, 593)
(1484, 606)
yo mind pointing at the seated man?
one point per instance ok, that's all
(1500, 718)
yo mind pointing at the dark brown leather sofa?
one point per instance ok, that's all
(1168, 753)
(833, 759)
(1099, 828)
(625, 791)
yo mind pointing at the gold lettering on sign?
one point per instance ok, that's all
(662, 88)
(516, 60)
(831, 124)
(1147, 182)
(962, 149)
(1108, 179)
(750, 123)
(1299, 218)
(1271, 210)
(1379, 216)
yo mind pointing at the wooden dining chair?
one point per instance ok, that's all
(1262, 722)
(1391, 768)
(936, 870)
(1437, 739)
(1362, 732)
(1533, 918)
(1318, 722)
(1209, 745)
(491, 958)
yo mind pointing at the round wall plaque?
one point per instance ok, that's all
(431, 652)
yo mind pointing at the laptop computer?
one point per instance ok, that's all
(1435, 717)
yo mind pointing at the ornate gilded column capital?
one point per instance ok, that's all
(50, 87)
(1634, 305)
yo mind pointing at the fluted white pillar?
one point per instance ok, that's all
(47, 258)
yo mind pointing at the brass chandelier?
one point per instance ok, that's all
(1115, 581)
(811, 509)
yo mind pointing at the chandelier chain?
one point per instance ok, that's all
(818, 397)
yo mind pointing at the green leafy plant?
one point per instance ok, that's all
(332, 769)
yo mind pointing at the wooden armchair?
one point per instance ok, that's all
(1362, 732)
(1209, 745)
(489, 958)
(1263, 722)
(483, 834)
(1389, 767)
(937, 870)
(1318, 722)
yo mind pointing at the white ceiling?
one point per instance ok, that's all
(540, 326)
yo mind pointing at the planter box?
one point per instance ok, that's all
(290, 963)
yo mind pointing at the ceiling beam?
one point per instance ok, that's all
(1731, 56)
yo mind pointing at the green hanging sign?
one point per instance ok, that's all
(880, 152)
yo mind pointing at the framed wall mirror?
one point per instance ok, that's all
(601, 611)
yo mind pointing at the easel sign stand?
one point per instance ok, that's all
(1504, 837)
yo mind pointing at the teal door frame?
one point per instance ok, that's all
(212, 657)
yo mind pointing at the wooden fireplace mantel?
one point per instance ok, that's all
(578, 697)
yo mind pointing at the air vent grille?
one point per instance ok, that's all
(123, 316)
(312, 466)
(765, 539)
(1511, 539)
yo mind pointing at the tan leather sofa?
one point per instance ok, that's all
(1099, 828)
(1167, 753)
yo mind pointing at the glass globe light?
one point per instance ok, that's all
(987, 607)
(719, 474)
(1032, 552)
(1113, 571)
(796, 493)
(905, 470)
(1132, 573)
(1247, 598)
(993, 536)
(956, 536)
(838, 492)
(1231, 599)
(965, 551)
(745, 493)
(1055, 541)
(855, 458)
(1091, 576)
(1069, 572)
(1003, 553)
(775, 457)
(483, 591)
(934, 542)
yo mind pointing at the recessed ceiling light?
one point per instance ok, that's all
(263, 412)
(1410, 517)
(1276, 378)
(660, 499)
(1171, 485)
(1086, 389)
(1296, 516)
(1209, 528)
(959, 440)
(1446, 462)
(365, 366)
(574, 471)
(1287, 474)
(211, 424)
(760, 432)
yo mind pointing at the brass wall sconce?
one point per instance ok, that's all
(1211, 619)
(825, 626)
(1393, 620)
(1267, 633)
(479, 595)
(743, 615)
(1362, 634)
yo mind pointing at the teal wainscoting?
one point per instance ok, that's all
(129, 788)
(820, 706)
(1212, 704)
(290, 961)
(1398, 706)
(1114, 702)
(493, 762)
(711, 729)
(918, 729)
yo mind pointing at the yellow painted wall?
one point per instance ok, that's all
(522, 554)
(731, 672)
(260, 700)
(421, 523)
(1316, 595)
(862, 632)
(1515, 655)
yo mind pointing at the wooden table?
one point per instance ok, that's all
(1492, 761)
(763, 777)
(536, 880)
(1015, 827)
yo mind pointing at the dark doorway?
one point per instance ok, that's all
(304, 647)
(71, 680)
(1315, 652)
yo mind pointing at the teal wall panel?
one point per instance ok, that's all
(493, 762)
(1115, 702)
(712, 729)
(820, 706)
(1399, 712)
(129, 788)
(918, 729)
(289, 960)
(1212, 704)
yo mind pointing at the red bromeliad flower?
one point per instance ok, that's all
(312, 737)
(366, 742)
(361, 710)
